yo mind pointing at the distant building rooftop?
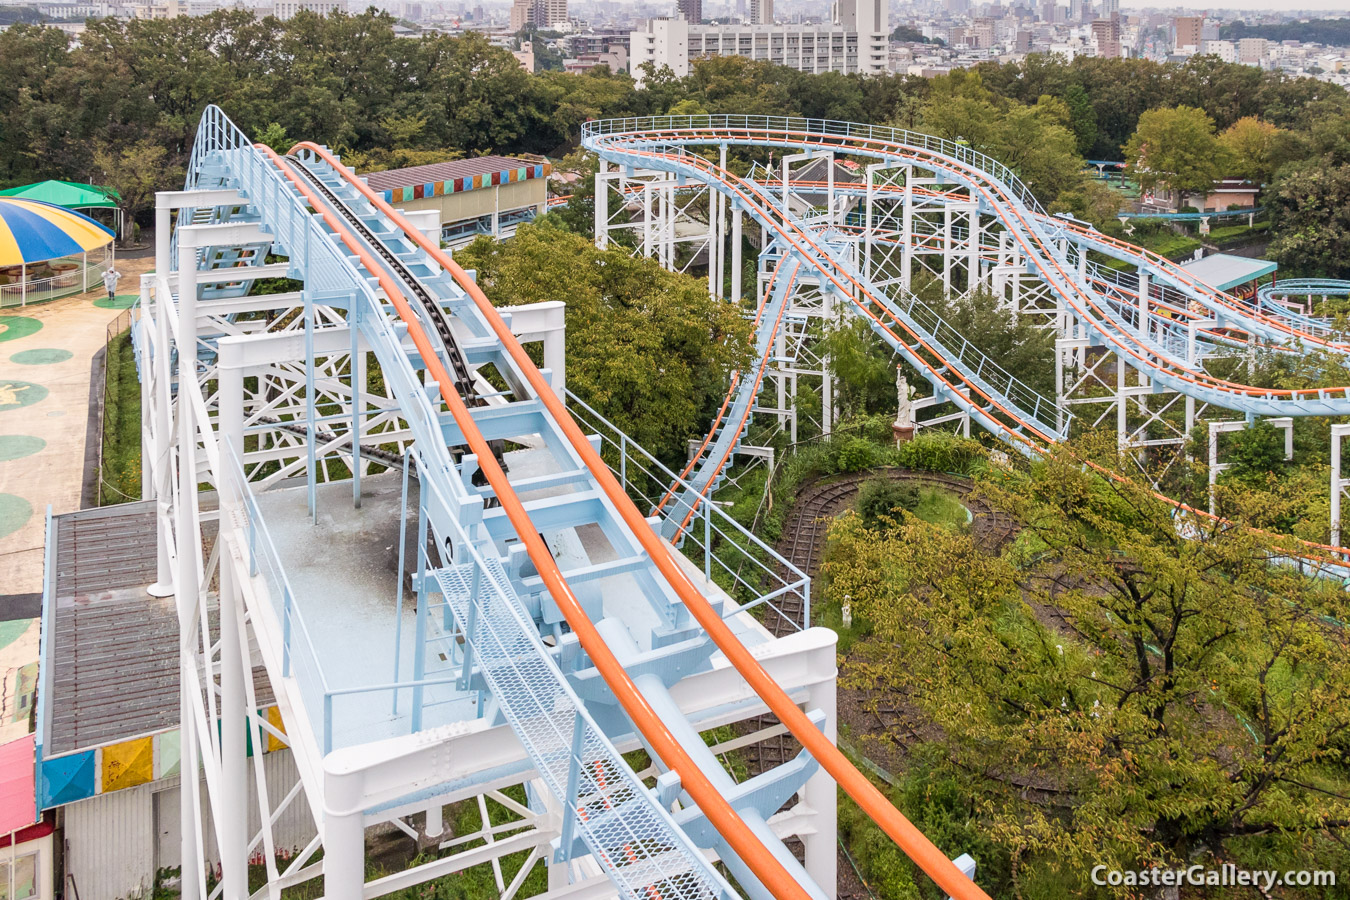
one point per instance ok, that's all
(455, 176)
(1225, 271)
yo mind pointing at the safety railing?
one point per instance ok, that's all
(606, 806)
(799, 130)
(749, 570)
(300, 658)
(79, 277)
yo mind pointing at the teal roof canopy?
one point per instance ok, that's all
(67, 194)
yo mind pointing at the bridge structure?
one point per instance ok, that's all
(458, 583)
(895, 226)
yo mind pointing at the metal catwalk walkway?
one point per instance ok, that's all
(554, 630)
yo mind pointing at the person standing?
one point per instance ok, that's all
(110, 278)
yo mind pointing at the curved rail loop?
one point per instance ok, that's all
(719, 812)
(910, 840)
(1320, 556)
(662, 148)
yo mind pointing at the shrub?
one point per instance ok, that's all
(940, 451)
(855, 455)
(881, 498)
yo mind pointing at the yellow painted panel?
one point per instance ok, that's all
(128, 764)
(274, 719)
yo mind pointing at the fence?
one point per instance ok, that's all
(749, 570)
(107, 493)
(77, 275)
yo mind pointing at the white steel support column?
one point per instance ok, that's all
(163, 240)
(162, 442)
(973, 260)
(826, 375)
(344, 855)
(719, 237)
(821, 795)
(1338, 484)
(947, 251)
(232, 829)
(601, 205)
(736, 260)
(1143, 303)
(188, 582)
(647, 220)
(907, 229)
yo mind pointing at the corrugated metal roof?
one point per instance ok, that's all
(113, 648)
(389, 179)
(1224, 271)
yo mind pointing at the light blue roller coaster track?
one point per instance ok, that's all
(1104, 300)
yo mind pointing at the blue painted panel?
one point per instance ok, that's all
(66, 779)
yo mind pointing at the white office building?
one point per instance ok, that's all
(855, 41)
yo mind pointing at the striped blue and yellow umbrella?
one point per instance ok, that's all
(32, 231)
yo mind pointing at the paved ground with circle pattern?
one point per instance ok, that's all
(47, 353)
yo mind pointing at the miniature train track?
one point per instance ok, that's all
(803, 542)
(803, 545)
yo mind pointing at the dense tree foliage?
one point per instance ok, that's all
(1119, 91)
(1335, 32)
(649, 349)
(347, 81)
(1113, 689)
(1177, 148)
(1034, 139)
(1310, 217)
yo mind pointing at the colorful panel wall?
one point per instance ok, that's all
(102, 770)
(467, 183)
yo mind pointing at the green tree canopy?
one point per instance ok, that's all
(1310, 218)
(1254, 148)
(1115, 689)
(1034, 140)
(649, 349)
(1176, 147)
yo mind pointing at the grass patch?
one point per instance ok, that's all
(120, 476)
(1237, 234)
(939, 507)
(1168, 243)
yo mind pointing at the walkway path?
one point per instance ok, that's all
(49, 396)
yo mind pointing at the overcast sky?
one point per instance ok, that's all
(1340, 6)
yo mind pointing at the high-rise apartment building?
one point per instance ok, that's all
(1187, 33)
(855, 41)
(692, 10)
(761, 12)
(1106, 37)
(539, 13)
(1252, 51)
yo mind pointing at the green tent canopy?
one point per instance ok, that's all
(67, 194)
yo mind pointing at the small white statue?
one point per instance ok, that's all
(904, 410)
